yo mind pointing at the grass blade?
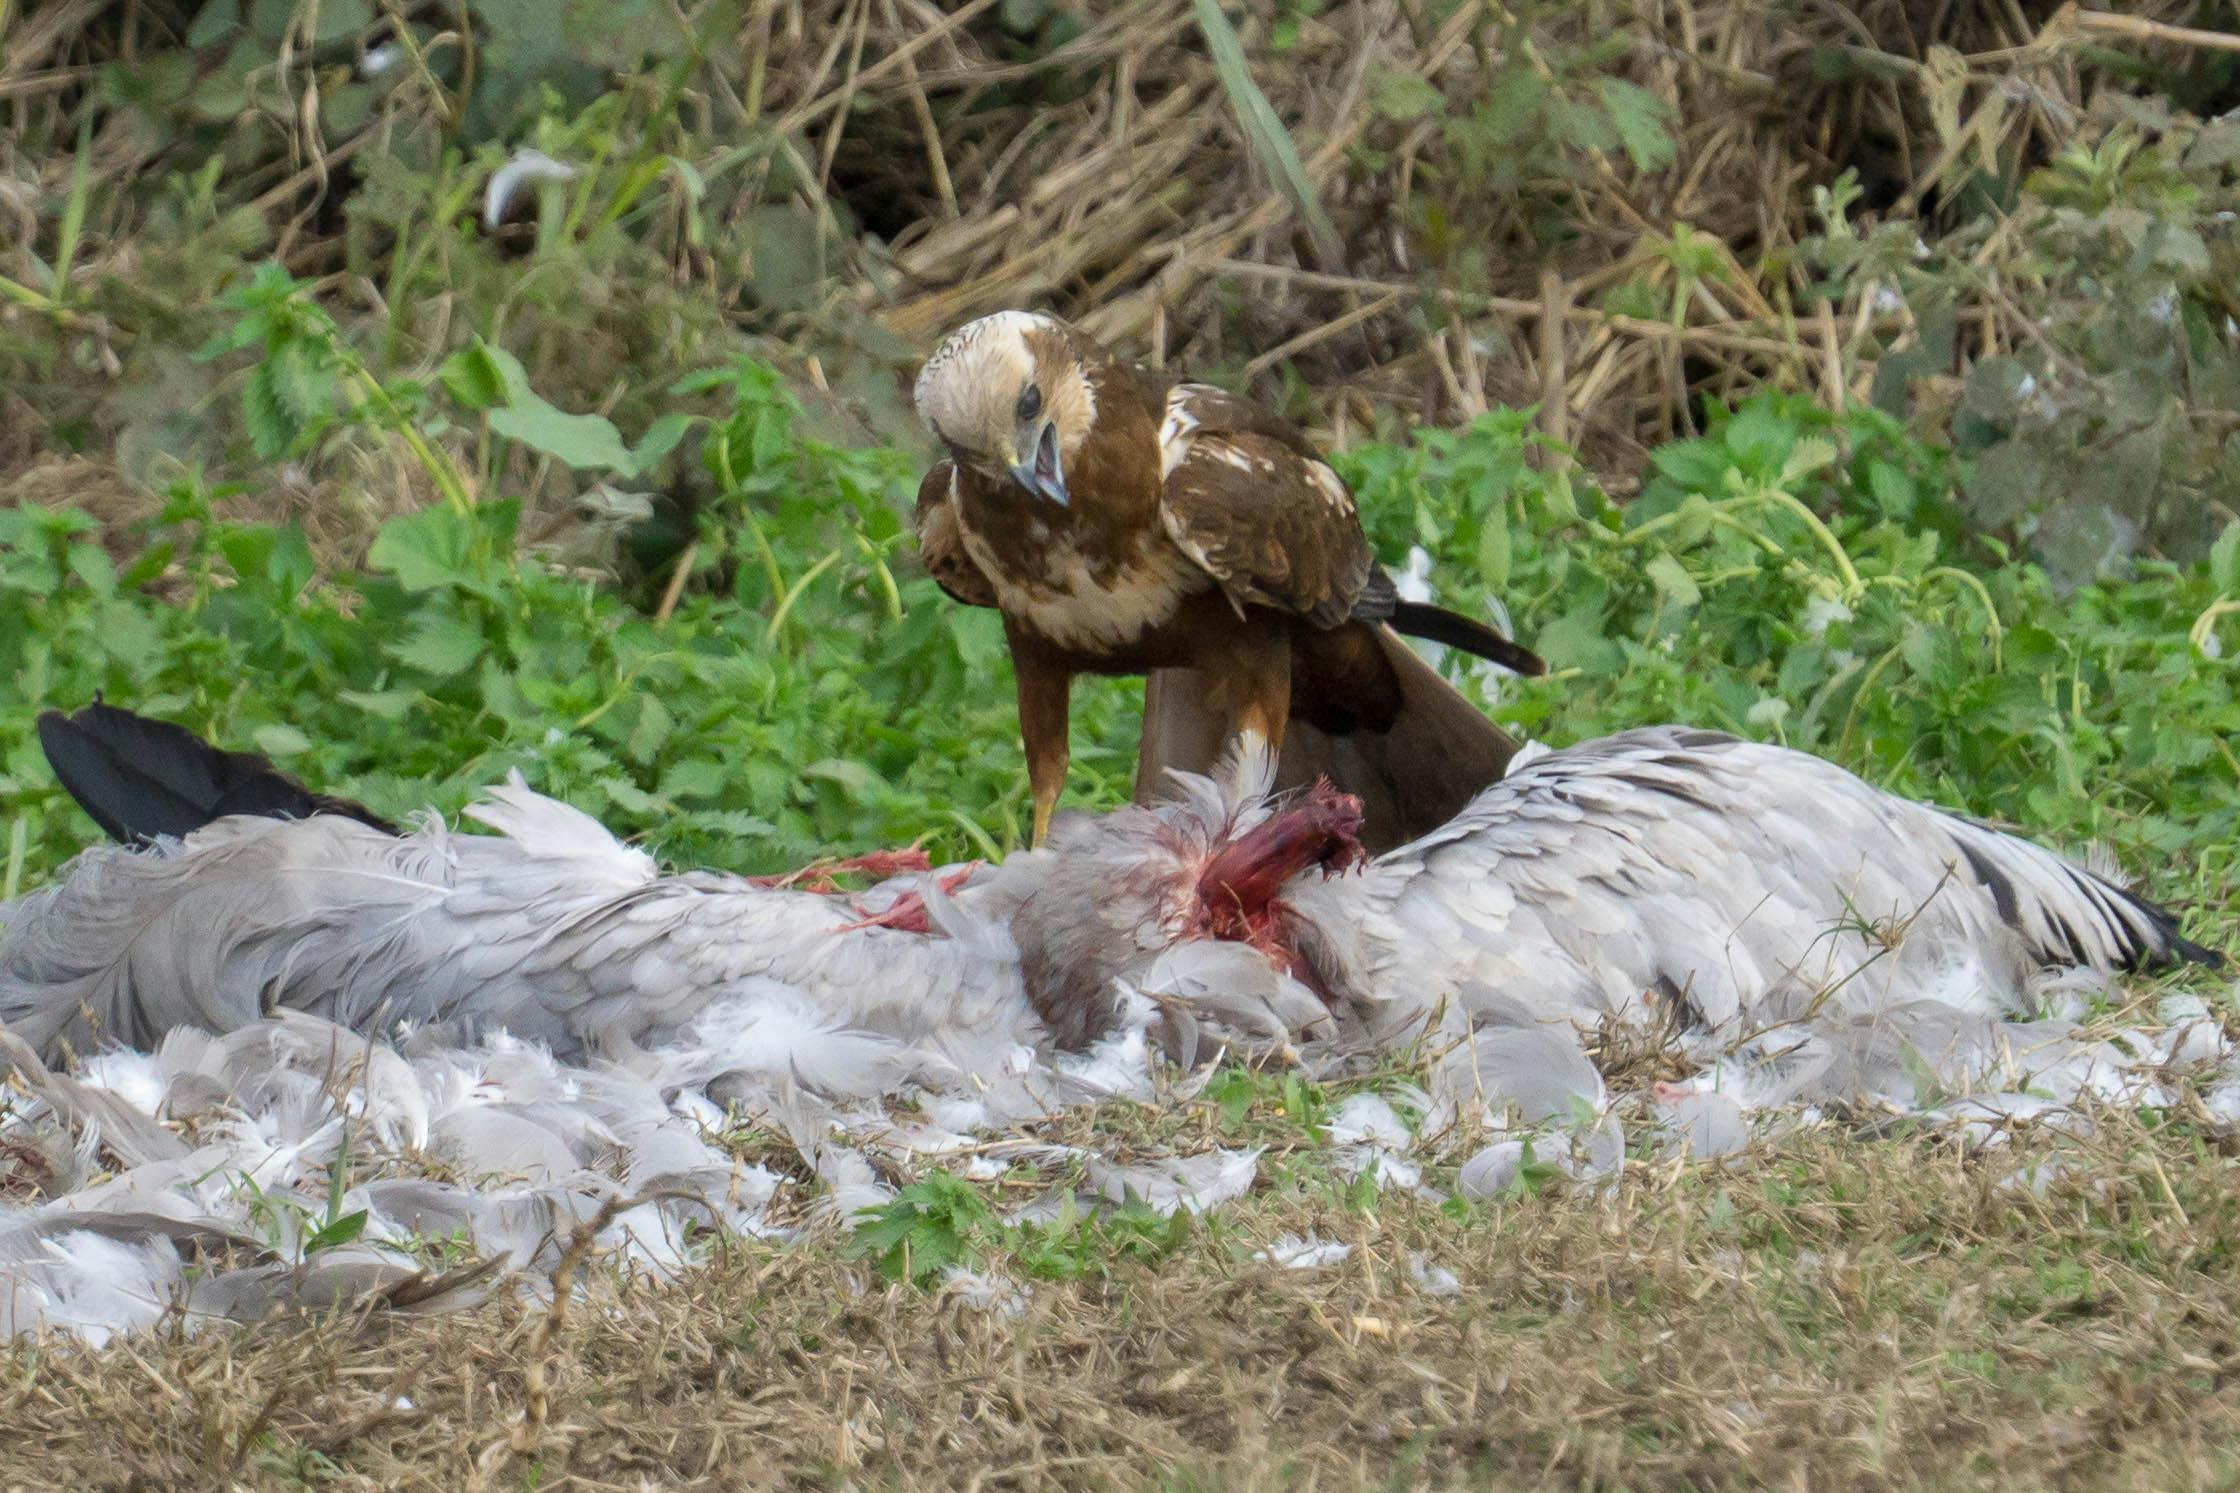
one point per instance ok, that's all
(1269, 140)
(74, 212)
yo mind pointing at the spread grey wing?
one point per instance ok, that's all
(1694, 868)
(554, 932)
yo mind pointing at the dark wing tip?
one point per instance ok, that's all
(140, 778)
(1438, 625)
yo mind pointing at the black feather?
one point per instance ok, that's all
(140, 778)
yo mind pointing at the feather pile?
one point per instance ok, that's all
(308, 1065)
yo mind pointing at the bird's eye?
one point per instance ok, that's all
(1030, 403)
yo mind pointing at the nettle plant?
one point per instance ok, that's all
(1807, 577)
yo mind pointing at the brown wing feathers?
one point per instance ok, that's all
(941, 547)
(1183, 498)
(1249, 468)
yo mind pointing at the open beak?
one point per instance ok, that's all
(1043, 475)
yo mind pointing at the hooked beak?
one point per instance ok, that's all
(1044, 475)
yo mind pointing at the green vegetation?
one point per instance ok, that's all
(1790, 574)
(1816, 372)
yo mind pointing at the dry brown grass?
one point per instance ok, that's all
(955, 172)
(1827, 1313)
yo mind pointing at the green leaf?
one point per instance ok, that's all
(279, 558)
(1692, 523)
(216, 21)
(584, 442)
(481, 376)
(91, 565)
(387, 704)
(1396, 93)
(272, 428)
(860, 781)
(1760, 436)
(1493, 551)
(439, 645)
(1933, 655)
(1639, 117)
(2224, 559)
(280, 740)
(660, 439)
(2218, 144)
(1672, 579)
(652, 729)
(1806, 457)
(1893, 491)
(697, 778)
(343, 1230)
(339, 20)
(630, 798)
(1699, 465)
(2178, 247)
(423, 550)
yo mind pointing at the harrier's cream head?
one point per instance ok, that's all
(1010, 397)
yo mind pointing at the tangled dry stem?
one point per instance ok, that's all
(1110, 180)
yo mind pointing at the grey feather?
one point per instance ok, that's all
(552, 931)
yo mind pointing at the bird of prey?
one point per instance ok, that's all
(1127, 523)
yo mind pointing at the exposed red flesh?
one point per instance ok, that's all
(1241, 879)
(1238, 889)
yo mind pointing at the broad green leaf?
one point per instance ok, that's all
(1396, 93)
(1493, 551)
(2224, 559)
(1892, 489)
(387, 704)
(584, 442)
(2178, 247)
(1760, 437)
(1693, 523)
(339, 20)
(343, 1230)
(280, 740)
(660, 439)
(92, 566)
(697, 778)
(1699, 465)
(423, 550)
(860, 781)
(216, 21)
(1672, 578)
(630, 798)
(653, 728)
(481, 376)
(1806, 457)
(272, 427)
(439, 644)
(301, 381)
